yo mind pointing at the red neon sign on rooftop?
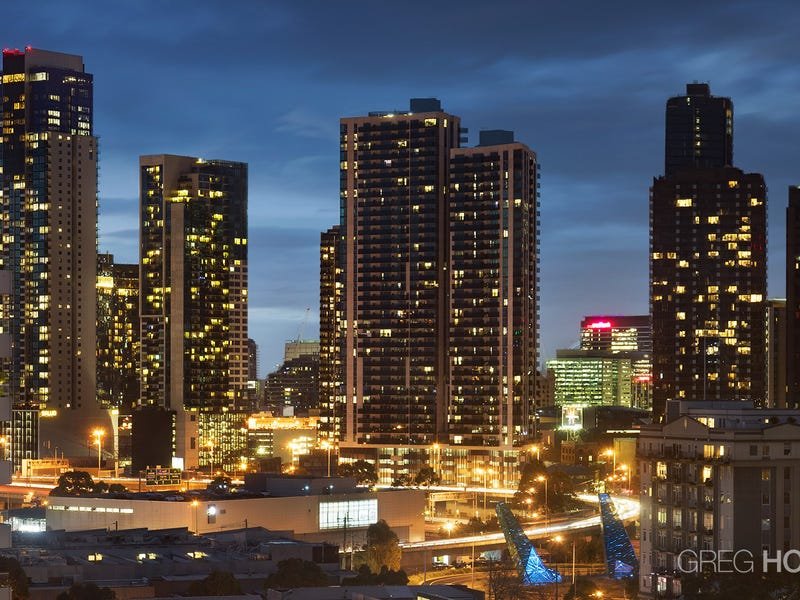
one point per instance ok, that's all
(600, 325)
(13, 51)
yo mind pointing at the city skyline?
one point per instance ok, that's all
(590, 103)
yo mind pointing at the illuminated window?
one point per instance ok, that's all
(683, 202)
(348, 513)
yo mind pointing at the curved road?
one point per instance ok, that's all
(627, 508)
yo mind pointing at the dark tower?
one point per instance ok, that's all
(708, 262)
(699, 131)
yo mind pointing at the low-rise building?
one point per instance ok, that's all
(319, 510)
(718, 476)
(144, 563)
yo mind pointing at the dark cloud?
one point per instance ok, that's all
(583, 83)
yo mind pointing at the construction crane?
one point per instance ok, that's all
(303, 325)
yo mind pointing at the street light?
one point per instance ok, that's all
(546, 506)
(326, 445)
(98, 438)
(558, 539)
(485, 473)
(627, 471)
(537, 450)
(610, 452)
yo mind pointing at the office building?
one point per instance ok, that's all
(331, 286)
(699, 131)
(721, 476)
(628, 336)
(193, 298)
(49, 243)
(117, 333)
(617, 333)
(776, 366)
(436, 255)
(287, 438)
(587, 378)
(793, 298)
(708, 280)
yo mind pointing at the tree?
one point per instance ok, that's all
(385, 577)
(221, 484)
(427, 477)
(74, 483)
(584, 589)
(16, 577)
(218, 583)
(362, 471)
(403, 480)
(86, 591)
(383, 548)
(296, 572)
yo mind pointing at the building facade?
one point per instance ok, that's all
(331, 288)
(708, 269)
(294, 387)
(49, 238)
(493, 292)
(393, 174)
(699, 131)
(117, 333)
(719, 476)
(588, 378)
(776, 368)
(193, 295)
(436, 257)
(617, 333)
(793, 298)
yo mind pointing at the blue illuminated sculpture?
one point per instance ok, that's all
(621, 561)
(530, 567)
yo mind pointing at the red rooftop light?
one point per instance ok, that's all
(600, 325)
(13, 52)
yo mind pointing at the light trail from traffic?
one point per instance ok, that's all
(627, 508)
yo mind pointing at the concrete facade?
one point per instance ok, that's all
(296, 516)
(694, 467)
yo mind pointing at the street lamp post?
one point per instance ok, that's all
(546, 505)
(98, 438)
(327, 446)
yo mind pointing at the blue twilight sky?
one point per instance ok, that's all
(583, 83)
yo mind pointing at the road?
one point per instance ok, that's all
(627, 508)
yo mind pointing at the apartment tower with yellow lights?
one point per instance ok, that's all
(49, 242)
(708, 261)
(430, 298)
(193, 302)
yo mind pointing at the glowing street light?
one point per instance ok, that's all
(326, 445)
(98, 434)
(610, 452)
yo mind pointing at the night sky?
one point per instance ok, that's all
(583, 83)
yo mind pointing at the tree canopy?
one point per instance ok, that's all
(362, 471)
(16, 576)
(383, 548)
(86, 591)
(80, 483)
(296, 572)
(218, 583)
(385, 577)
(427, 477)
